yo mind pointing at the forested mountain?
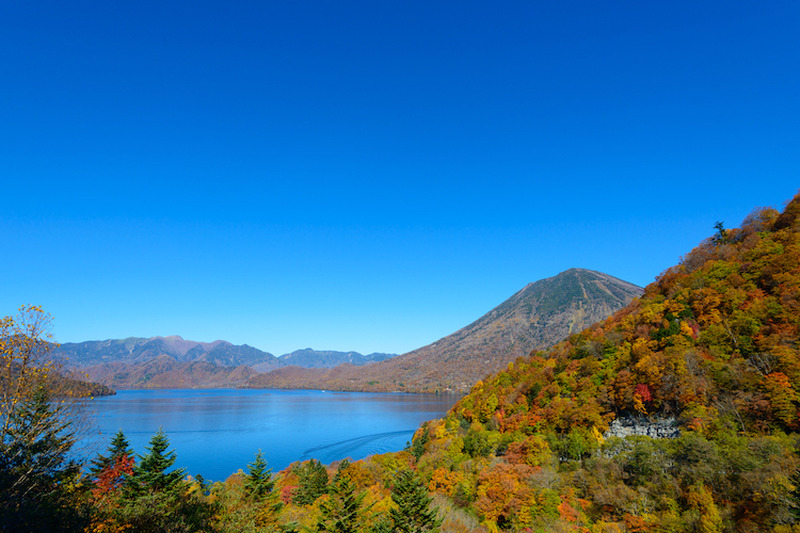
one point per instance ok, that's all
(535, 317)
(710, 351)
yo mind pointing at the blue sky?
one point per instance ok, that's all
(372, 176)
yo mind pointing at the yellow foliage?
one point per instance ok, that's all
(701, 499)
(597, 435)
(25, 361)
(109, 525)
(444, 481)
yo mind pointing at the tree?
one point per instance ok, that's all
(721, 237)
(259, 487)
(151, 474)
(118, 447)
(38, 427)
(258, 483)
(412, 512)
(313, 479)
(342, 511)
(34, 469)
(155, 499)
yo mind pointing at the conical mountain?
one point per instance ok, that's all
(536, 317)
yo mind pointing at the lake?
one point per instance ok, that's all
(216, 432)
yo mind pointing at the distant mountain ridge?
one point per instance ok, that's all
(137, 350)
(163, 362)
(539, 315)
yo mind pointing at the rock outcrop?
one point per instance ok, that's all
(655, 427)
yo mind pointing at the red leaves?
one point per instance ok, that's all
(643, 391)
(112, 477)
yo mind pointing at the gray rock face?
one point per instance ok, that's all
(654, 427)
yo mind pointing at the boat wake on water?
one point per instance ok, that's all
(363, 446)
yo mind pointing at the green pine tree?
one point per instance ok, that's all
(34, 469)
(412, 512)
(342, 511)
(155, 499)
(152, 474)
(118, 447)
(258, 482)
(313, 479)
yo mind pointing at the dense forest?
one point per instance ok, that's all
(709, 351)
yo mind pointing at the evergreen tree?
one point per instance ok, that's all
(118, 447)
(36, 435)
(155, 499)
(412, 513)
(258, 482)
(341, 471)
(151, 473)
(259, 487)
(34, 470)
(313, 480)
(342, 512)
(418, 443)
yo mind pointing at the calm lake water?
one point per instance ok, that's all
(216, 432)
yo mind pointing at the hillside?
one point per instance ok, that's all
(535, 317)
(164, 372)
(709, 356)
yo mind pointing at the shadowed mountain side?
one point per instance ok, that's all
(539, 315)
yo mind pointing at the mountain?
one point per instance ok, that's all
(537, 316)
(137, 350)
(680, 412)
(164, 362)
(164, 372)
(309, 358)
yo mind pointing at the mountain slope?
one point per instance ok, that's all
(710, 352)
(535, 317)
(164, 372)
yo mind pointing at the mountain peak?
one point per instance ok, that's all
(535, 317)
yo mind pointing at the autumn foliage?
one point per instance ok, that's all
(713, 345)
(712, 348)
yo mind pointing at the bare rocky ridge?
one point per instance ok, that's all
(539, 315)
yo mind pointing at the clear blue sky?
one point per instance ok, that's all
(372, 176)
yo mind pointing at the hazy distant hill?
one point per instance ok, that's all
(161, 362)
(536, 317)
(309, 358)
